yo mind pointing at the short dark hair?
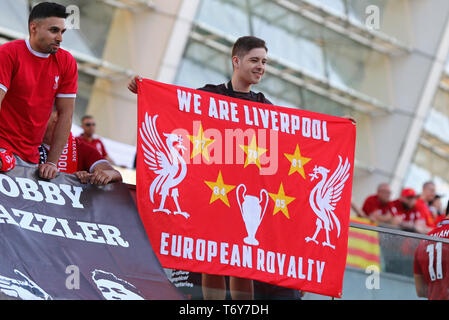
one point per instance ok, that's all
(427, 184)
(87, 116)
(45, 10)
(243, 45)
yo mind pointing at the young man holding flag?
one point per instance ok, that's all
(249, 58)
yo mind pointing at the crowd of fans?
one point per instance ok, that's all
(421, 213)
(410, 211)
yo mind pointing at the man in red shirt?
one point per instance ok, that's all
(431, 265)
(249, 57)
(36, 74)
(423, 203)
(88, 136)
(80, 158)
(410, 216)
(378, 206)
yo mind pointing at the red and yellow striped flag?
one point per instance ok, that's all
(363, 246)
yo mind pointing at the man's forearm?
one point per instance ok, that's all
(110, 160)
(60, 137)
(64, 107)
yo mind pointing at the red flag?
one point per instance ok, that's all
(232, 187)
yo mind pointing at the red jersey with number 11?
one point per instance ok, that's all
(432, 262)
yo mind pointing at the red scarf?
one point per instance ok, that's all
(68, 161)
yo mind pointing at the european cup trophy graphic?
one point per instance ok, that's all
(252, 213)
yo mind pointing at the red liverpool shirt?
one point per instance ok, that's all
(372, 203)
(76, 156)
(32, 81)
(432, 262)
(94, 143)
(412, 214)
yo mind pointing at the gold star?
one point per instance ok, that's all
(297, 162)
(281, 201)
(253, 153)
(200, 144)
(219, 189)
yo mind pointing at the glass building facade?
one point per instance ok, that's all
(431, 159)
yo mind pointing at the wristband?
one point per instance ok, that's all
(52, 163)
(8, 161)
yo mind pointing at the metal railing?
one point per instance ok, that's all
(398, 232)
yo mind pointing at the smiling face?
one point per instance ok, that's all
(250, 67)
(46, 34)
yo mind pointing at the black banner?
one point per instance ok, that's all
(61, 239)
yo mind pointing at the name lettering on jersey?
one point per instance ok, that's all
(441, 234)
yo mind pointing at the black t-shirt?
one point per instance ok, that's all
(223, 90)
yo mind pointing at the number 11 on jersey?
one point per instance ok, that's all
(431, 248)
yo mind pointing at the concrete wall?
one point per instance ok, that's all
(137, 41)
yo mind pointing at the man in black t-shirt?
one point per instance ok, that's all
(249, 58)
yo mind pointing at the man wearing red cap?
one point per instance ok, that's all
(412, 217)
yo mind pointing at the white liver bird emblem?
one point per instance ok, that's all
(165, 160)
(324, 198)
